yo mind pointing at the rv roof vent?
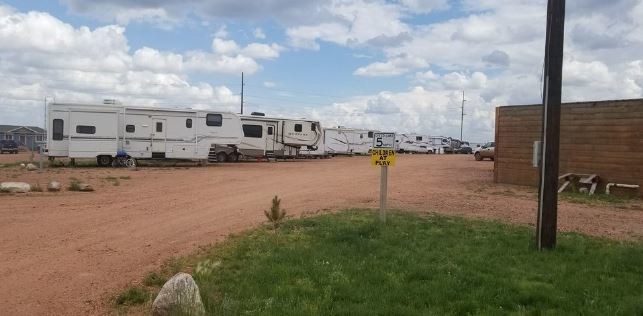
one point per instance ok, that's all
(258, 114)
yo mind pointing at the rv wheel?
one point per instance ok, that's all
(222, 157)
(104, 161)
(233, 157)
(130, 163)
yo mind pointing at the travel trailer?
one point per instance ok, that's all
(347, 141)
(278, 137)
(316, 152)
(440, 144)
(414, 143)
(105, 131)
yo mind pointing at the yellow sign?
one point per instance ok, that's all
(383, 157)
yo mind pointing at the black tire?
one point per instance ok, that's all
(233, 157)
(478, 157)
(222, 157)
(104, 161)
(492, 159)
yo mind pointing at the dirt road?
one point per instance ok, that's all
(67, 253)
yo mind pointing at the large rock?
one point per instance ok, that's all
(178, 296)
(31, 167)
(15, 187)
(54, 186)
(85, 187)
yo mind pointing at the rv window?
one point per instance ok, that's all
(361, 136)
(313, 127)
(159, 127)
(57, 133)
(84, 129)
(418, 138)
(130, 128)
(254, 131)
(213, 120)
(269, 130)
(188, 123)
(370, 134)
(297, 127)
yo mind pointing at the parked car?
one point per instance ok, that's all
(464, 149)
(9, 146)
(487, 150)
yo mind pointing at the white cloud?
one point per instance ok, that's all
(395, 66)
(415, 110)
(151, 59)
(262, 51)
(350, 24)
(225, 47)
(269, 84)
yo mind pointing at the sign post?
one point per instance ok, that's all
(383, 155)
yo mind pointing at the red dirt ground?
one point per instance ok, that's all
(68, 253)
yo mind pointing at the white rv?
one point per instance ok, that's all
(315, 152)
(102, 131)
(278, 137)
(414, 143)
(347, 141)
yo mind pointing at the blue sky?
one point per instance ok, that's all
(390, 65)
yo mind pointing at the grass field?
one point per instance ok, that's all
(348, 263)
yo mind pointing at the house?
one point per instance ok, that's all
(27, 136)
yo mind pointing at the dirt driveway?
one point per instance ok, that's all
(67, 253)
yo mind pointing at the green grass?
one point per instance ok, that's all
(154, 279)
(133, 296)
(348, 263)
(583, 198)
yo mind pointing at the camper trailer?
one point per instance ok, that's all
(347, 141)
(414, 143)
(315, 152)
(439, 144)
(278, 137)
(103, 131)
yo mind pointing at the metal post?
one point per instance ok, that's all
(383, 191)
(552, 85)
(242, 84)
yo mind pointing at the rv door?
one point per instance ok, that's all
(159, 138)
(271, 136)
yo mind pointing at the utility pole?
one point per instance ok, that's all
(552, 85)
(242, 92)
(462, 116)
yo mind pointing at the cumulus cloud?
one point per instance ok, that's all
(43, 56)
(350, 24)
(395, 66)
(416, 110)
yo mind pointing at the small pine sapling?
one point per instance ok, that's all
(276, 214)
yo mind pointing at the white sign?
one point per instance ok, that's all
(383, 140)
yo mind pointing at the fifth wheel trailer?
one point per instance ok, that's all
(102, 131)
(347, 141)
(278, 137)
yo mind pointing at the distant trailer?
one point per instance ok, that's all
(348, 141)
(265, 137)
(103, 131)
(414, 143)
